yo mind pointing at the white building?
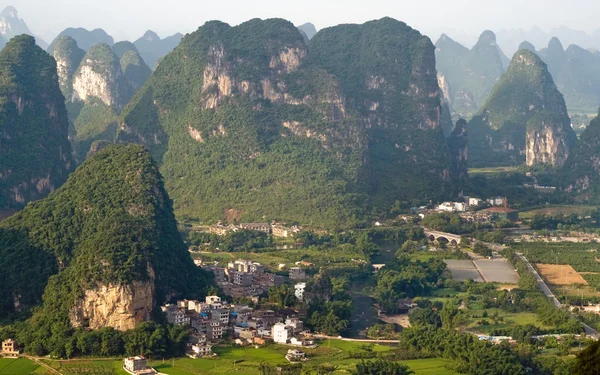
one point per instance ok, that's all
(201, 350)
(460, 206)
(213, 300)
(475, 201)
(136, 364)
(446, 207)
(299, 290)
(281, 333)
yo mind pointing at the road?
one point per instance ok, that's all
(546, 290)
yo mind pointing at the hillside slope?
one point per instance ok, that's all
(248, 126)
(35, 154)
(524, 120)
(104, 248)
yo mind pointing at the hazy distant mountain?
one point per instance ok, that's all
(11, 25)
(85, 39)
(509, 40)
(308, 29)
(576, 72)
(152, 48)
(470, 74)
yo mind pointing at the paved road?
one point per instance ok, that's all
(544, 288)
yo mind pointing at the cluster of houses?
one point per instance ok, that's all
(245, 278)
(470, 203)
(215, 319)
(277, 230)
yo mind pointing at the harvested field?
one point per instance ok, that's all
(560, 274)
(490, 270)
(463, 270)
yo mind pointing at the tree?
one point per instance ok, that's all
(381, 367)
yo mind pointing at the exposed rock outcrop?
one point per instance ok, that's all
(118, 306)
(100, 76)
(68, 56)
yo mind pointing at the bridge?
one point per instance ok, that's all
(434, 235)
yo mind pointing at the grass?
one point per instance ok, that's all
(509, 320)
(556, 210)
(246, 360)
(88, 366)
(433, 366)
(18, 366)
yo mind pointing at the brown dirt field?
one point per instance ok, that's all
(560, 274)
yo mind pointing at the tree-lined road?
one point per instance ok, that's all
(546, 290)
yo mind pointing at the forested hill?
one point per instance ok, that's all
(581, 173)
(35, 154)
(248, 123)
(524, 119)
(387, 71)
(576, 72)
(103, 249)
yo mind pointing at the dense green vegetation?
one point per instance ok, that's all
(111, 222)
(514, 109)
(299, 149)
(34, 146)
(579, 175)
(376, 62)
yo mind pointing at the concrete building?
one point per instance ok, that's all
(137, 365)
(212, 299)
(10, 348)
(242, 278)
(260, 227)
(281, 333)
(200, 350)
(297, 273)
(295, 355)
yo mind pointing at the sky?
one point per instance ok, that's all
(129, 19)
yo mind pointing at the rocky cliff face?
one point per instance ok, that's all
(114, 305)
(548, 142)
(524, 120)
(68, 56)
(34, 147)
(100, 76)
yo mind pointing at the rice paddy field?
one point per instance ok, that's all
(19, 366)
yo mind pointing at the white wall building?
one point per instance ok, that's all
(281, 333)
